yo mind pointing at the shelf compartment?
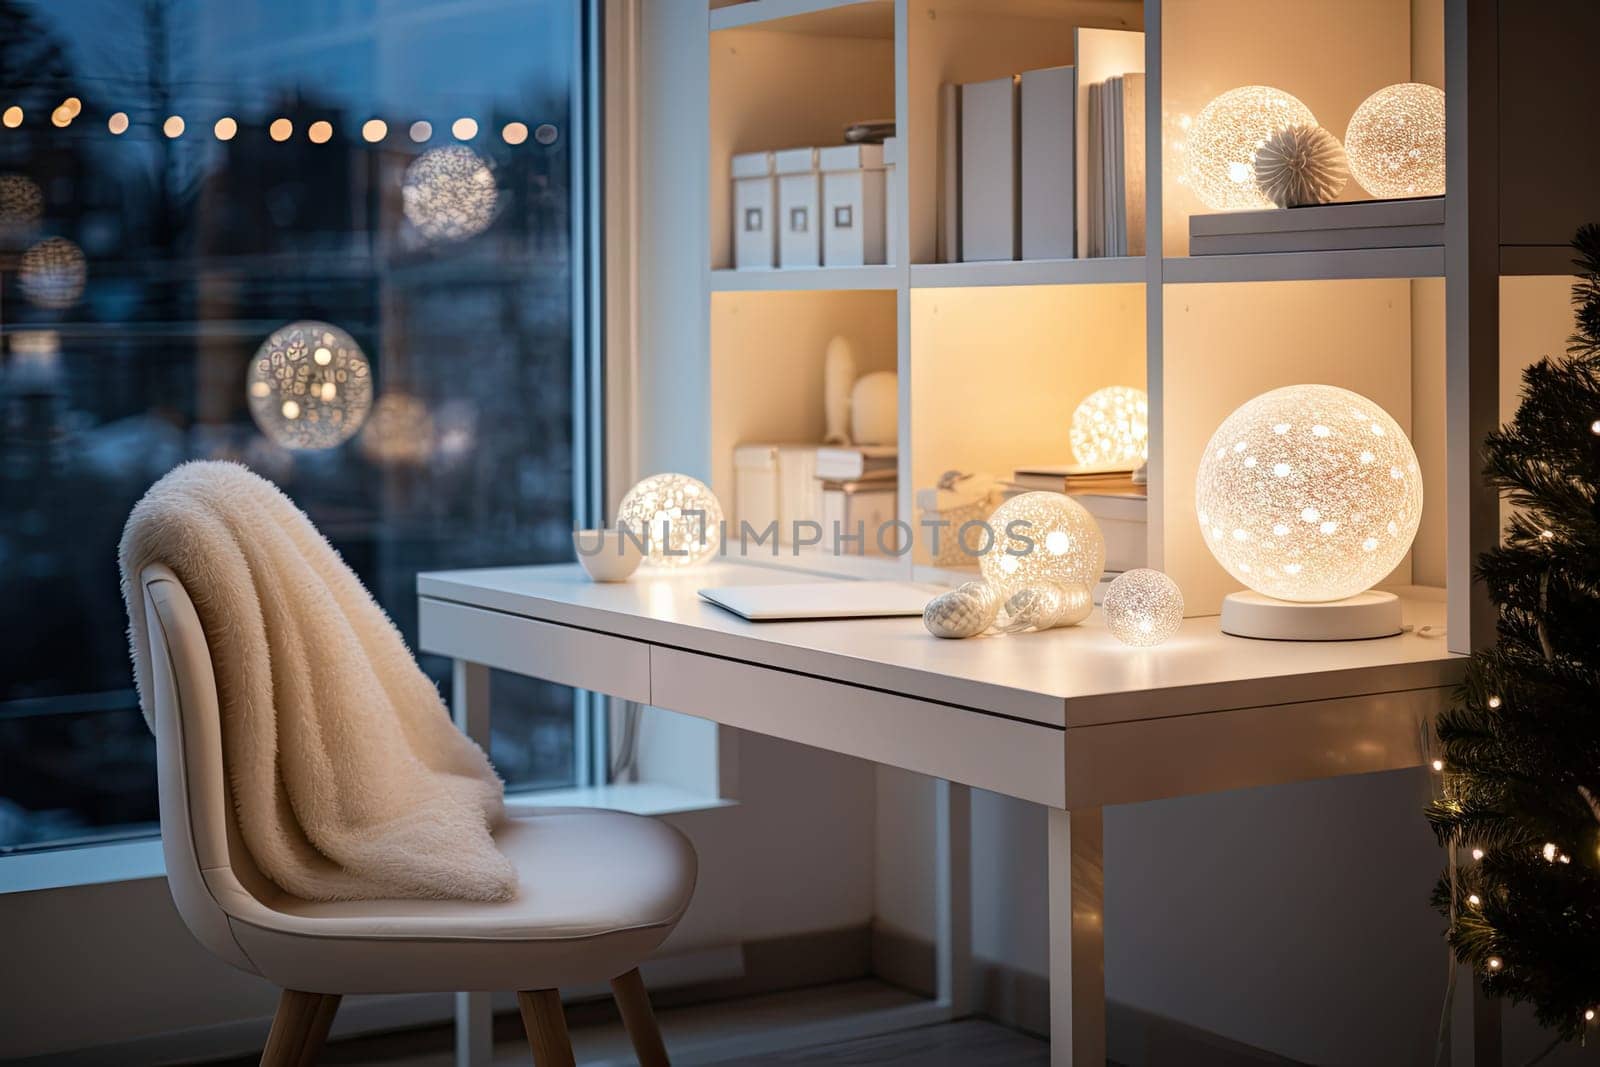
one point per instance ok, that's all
(822, 18)
(1426, 261)
(805, 279)
(1111, 271)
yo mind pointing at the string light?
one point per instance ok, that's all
(1494, 963)
(1588, 1016)
(1474, 899)
(1494, 702)
(225, 128)
(374, 130)
(1594, 427)
(517, 132)
(12, 117)
(118, 123)
(421, 131)
(320, 132)
(1547, 535)
(464, 129)
(173, 127)
(1477, 853)
(61, 117)
(280, 130)
(1438, 764)
(1549, 852)
(72, 106)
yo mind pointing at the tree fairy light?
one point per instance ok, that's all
(1143, 607)
(679, 518)
(1309, 495)
(1111, 428)
(1221, 144)
(449, 193)
(1395, 142)
(52, 273)
(309, 386)
(1041, 538)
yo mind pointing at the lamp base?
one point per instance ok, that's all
(1365, 615)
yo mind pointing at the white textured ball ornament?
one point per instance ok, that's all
(1396, 141)
(965, 611)
(1042, 538)
(310, 386)
(1309, 493)
(1111, 428)
(680, 517)
(1143, 607)
(1222, 142)
(52, 273)
(1301, 165)
(449, 194)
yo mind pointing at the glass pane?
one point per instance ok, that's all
(181, 184)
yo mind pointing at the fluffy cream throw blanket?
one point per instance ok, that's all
(348, 779)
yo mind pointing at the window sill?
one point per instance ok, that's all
(132, 861)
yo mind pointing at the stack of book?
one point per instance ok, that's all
(1073, 478)
(1118, 504)
(1413, 223)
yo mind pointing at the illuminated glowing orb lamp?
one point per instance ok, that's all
(21, 207)
(1222, 141)
(1041, 538)
(679, 516)
(400, 431)
(52, 273)
(1111, 428)
(449, 194)
(309, 386)
(1143, 607)
(1395, 142)
(1309, 495)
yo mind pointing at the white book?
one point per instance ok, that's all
(1097, 55)
(848, 463)
(947, 227)
(989, 170)
(1049, 205)
(1094, 223)
(1133, 163)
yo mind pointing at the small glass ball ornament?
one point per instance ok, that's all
(449, 194)
(1223, 140)
(1045, 607)
(1301, 165)
(679, 516)
(1041, 538)
(1309, 493)
(1396, 141)
(310, 386)
(52, 273)
(1111, 428)
(1143, 607)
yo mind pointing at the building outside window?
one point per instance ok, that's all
(179, 181)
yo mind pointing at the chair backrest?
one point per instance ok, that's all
(209, 869)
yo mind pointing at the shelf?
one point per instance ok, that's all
(805, 279)
(1421, 262)
(1111, 271)
(821, 18)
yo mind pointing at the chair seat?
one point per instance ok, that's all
(598, 892)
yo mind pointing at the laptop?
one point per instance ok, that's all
(837, 599)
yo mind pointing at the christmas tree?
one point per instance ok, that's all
(1519, 802)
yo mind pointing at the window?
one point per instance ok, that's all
(180, 181)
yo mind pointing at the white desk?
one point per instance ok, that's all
(1070, 719)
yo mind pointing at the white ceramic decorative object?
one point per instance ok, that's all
(1396, 141)
(1111, 428)
(1045, 607)
(875, 409)
(309, 386)
(680, 516)
(1309, 494)
(1041, 538)
(1221, 144)
(449, 194)
(838, 377)
(606, 555)
(1143, 607)
(965, 611)
(1301, 165)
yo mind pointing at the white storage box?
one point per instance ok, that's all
(891, 225)
(774, 484)
(755, 201)
(852, 204)
(1122, 519)
(799, 205)
(859, 507)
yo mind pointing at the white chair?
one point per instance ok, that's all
(599, 890)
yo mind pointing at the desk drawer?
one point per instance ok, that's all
(1024, 760)
(615, 666)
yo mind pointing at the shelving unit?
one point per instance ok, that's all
(993, 356)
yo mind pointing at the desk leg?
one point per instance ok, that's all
(953, 896)
(1077, 940)
(469, 707)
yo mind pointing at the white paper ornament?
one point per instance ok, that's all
(965, 611)
(1045, 607)
(1301, 165)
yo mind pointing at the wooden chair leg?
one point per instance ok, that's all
(546, 1025)
(299, 1028)
(634, 1003)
